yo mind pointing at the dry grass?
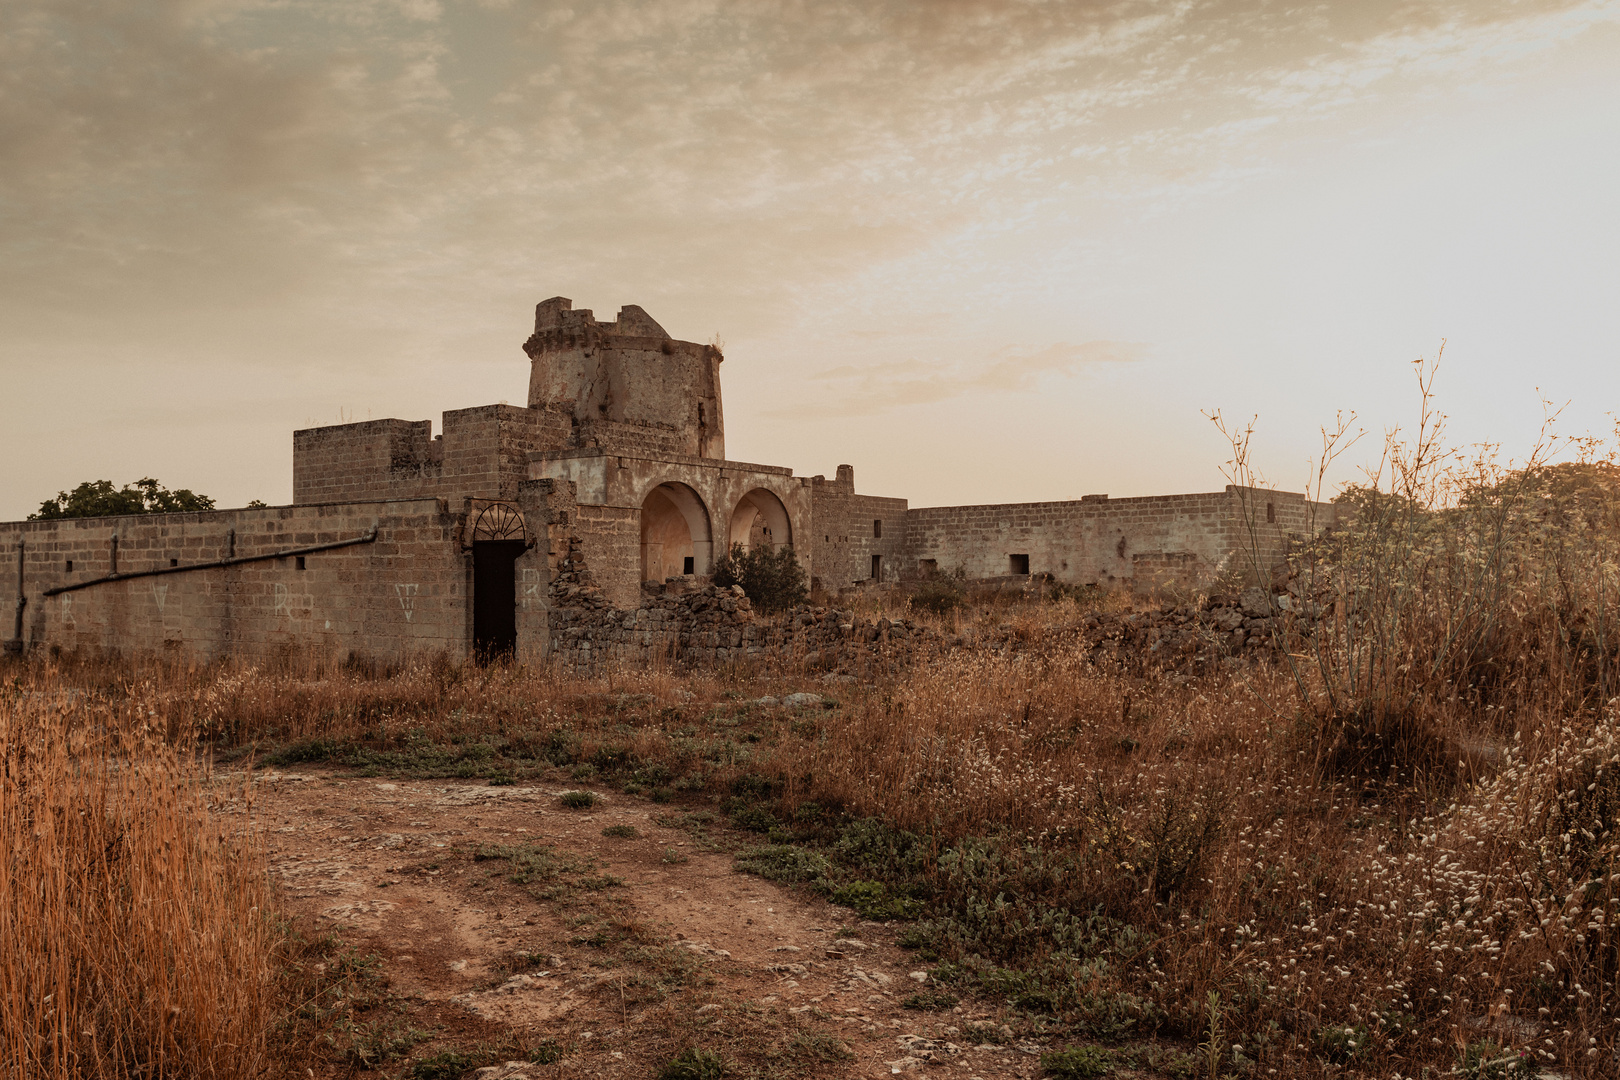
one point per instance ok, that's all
(1343, 926)
(1394, 852)
(135, 935)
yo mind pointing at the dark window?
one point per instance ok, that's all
(877, 529)
(687, 566)
(70, 566)
(929, 567)
(176, 562)
(1018, 564)
(877, 568)
(1271, 511)
(300, 562)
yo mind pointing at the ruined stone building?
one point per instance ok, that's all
(571, 520)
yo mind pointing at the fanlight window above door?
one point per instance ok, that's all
(499, 521)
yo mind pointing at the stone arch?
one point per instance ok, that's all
(674, 529)
(499, 521)
(764, 508)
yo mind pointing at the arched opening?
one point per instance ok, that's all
(760, 518)
(499, 537)
(675, 537)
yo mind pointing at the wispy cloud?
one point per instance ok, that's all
(862, 390)
(318, 187)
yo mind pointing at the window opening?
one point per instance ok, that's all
(1271, 512)
(176, 562)
(300, 562)
(1018, 564)
(70, 566)
(877, 528)
(929, 567)
(687, 564)
(877, 568)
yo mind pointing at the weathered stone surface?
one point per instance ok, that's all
(612, 475)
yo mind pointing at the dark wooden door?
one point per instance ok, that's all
(495, 598)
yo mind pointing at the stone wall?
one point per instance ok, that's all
(483, 453)
(624, 481)
(403, 593)
(611, 539)
(1143, 543)
(850, 529)
(684, 622)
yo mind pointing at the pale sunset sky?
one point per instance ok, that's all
(983, 251)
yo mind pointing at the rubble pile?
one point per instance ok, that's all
(1220, 630)
(707, 624)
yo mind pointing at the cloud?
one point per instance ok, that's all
(862, 390)
(383, 187)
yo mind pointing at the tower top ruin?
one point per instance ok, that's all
(626, 372)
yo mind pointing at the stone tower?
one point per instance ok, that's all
(625, 383)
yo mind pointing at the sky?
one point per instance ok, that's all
(982, 250)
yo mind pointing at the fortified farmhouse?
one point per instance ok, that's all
(585, 521)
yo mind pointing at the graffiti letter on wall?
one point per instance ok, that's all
(160, 593)
(531, 586)
(67, 610)
(407, 598)
(281, 598)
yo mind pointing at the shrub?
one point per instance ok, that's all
(1485, 1060)
(621, 832)
(782, 862)
(746, 815)
(930, 1001)
(872, 900)
(1077, 1063)
(771, 577)
(693, 1064)
(578, 800)
(938, 595)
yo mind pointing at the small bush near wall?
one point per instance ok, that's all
(938, 595)
(771, 577)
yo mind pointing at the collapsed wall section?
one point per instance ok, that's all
(688, 623)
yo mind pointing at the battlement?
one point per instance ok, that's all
(627, 374)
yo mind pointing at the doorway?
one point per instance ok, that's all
(495, 598)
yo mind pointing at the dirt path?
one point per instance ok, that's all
(498, 912)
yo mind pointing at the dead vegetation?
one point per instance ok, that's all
(1389, 852)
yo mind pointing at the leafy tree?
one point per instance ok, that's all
(98, 498)
(770, 576)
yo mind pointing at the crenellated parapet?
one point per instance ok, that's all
(626, 381)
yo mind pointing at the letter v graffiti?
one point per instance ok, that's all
(407, 599)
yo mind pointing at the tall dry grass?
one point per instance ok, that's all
(1345, 928)
(135, 929)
